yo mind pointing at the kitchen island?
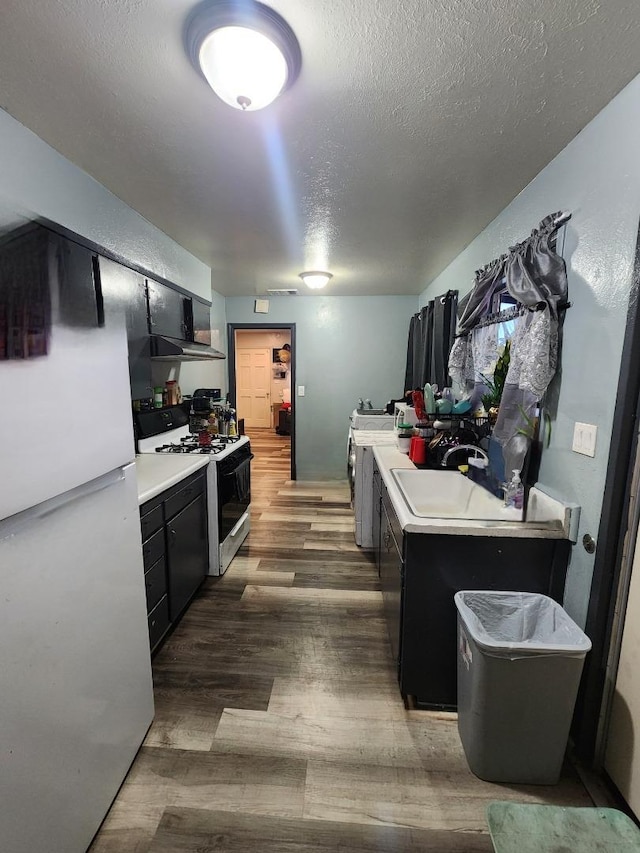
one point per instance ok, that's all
(423, 562)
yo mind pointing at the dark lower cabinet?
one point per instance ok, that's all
(391, 579)
(421, 572)
(175, 552)
(187, 554)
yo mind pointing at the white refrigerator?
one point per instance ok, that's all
(75, 673)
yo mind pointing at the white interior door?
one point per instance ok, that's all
(622, 755)
(253, 383)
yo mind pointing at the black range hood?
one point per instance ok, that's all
(172, 349)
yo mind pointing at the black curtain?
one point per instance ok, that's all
(431, 333)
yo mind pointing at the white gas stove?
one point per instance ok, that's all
(228, 476)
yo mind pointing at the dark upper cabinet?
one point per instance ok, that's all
(81, 292)
(169, 311)
(124, 290)
(201, 322)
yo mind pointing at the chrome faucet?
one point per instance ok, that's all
(478, 451)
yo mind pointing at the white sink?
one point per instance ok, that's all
(448, 494)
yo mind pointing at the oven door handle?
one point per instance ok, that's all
(240, 465)
(237, 526)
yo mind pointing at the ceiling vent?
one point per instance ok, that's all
(282, 291)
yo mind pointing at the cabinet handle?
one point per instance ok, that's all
(173, 535)
(386, 538)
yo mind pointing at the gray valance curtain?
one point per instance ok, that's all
(431, 335)
(535, 276)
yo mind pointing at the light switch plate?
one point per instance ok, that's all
(584, 439)
(261, 306)
(300, 390)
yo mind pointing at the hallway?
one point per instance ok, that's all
(279, 725)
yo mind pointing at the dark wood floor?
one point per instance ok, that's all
(279, 726)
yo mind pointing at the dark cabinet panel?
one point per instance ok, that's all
(187, 554)
(158, 621)
(151, 521)
(201, 322)
(391, 579)
(153, 549)
(182, 497)
(126, 289)
(168, 311)
(155, 581)
(81, 298)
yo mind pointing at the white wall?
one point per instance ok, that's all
(597, 178)
(346, 347)
(36, 181)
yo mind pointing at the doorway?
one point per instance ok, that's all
(608, 709)
(262, 364)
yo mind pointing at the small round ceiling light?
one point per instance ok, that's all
(315, 279)
(246, 52)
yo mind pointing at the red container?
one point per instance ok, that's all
(419, 451)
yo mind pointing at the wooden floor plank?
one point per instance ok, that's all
(193, 831)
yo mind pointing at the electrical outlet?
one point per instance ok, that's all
(300, 390)
(584, 439)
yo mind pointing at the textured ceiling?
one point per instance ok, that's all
(413, 123)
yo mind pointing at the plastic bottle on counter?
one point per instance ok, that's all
(212, 426)
(514, 491)
(157, 397)
(232, 424)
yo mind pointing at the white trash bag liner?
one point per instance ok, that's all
(523, 622)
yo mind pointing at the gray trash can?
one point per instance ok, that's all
(520, 659)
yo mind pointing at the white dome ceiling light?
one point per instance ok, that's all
(315, 279)
(246, 52)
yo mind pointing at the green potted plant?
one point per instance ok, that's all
(495, 384)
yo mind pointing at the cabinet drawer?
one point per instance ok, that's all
(151, 522)
(179, 501)
(153, 549)
(158, 621)
(155, 582)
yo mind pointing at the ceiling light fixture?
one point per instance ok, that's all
(316, 280)
(246, 52)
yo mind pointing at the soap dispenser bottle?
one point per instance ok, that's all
(514, 493)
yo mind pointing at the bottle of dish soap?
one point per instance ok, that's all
(514, 492)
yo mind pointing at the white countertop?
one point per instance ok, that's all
(544, 528)
(159, 471)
